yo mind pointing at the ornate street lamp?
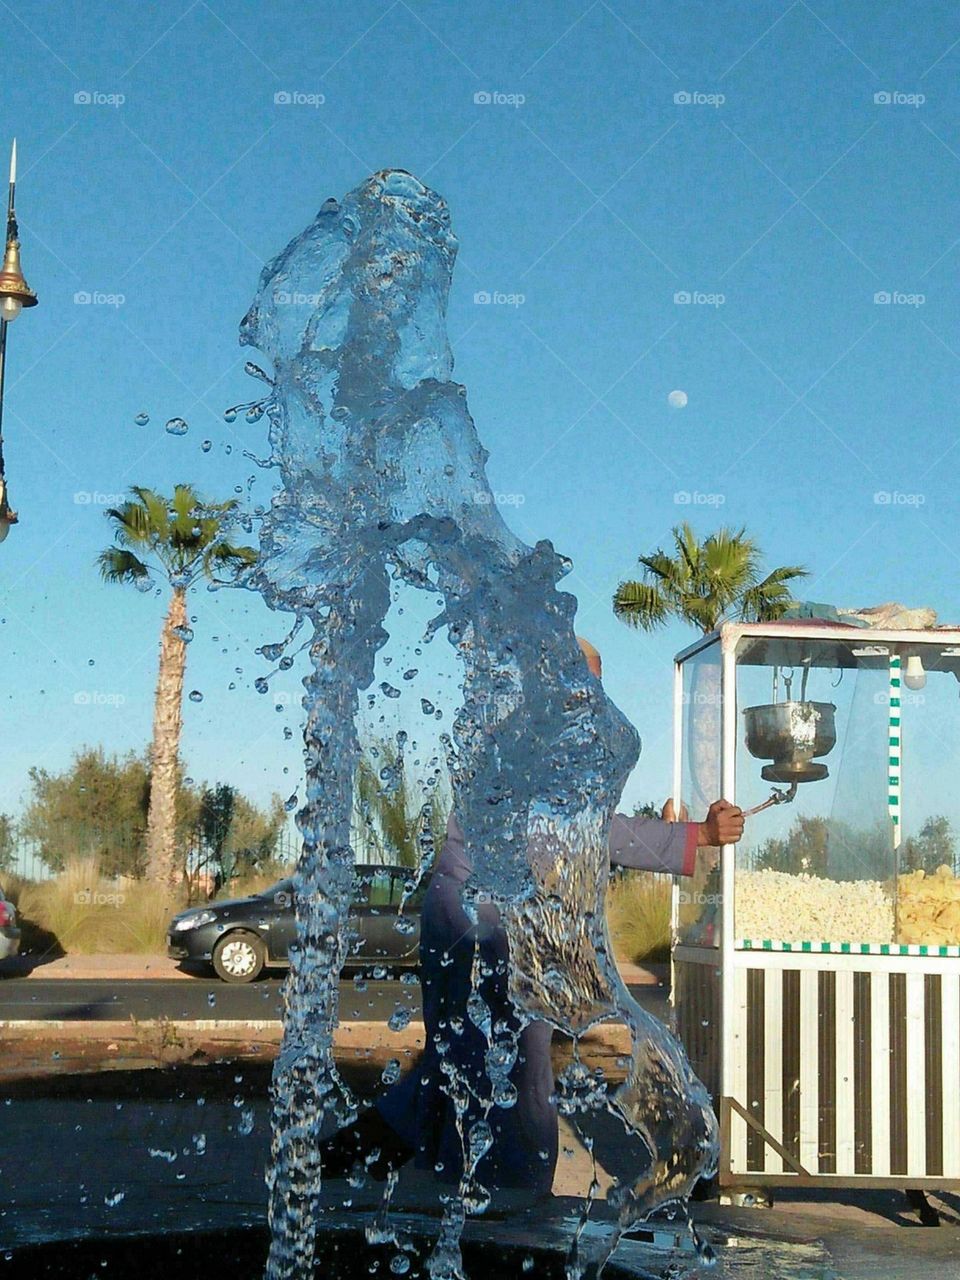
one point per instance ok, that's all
(15, 294)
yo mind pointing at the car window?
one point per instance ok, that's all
(374, 887)
(378, 889)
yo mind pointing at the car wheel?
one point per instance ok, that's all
(239, 957)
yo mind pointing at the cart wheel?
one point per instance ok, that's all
(747, 1198)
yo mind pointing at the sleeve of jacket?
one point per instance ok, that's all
(648, 844)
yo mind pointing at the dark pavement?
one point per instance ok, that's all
(111, 1000)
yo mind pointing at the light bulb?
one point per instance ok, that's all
(914, 676)
(10, 308)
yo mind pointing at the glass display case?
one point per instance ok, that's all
(854, 740)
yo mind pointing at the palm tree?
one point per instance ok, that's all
(180, 538)
(705, 583)
(396, 816)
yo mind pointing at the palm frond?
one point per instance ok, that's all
(119, 565)
(640, 604)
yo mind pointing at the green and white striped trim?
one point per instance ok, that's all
(846, 948)
(894, 753)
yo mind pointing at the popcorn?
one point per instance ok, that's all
(805, 908)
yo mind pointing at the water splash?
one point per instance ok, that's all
(384, 483)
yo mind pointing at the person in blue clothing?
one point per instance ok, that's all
(416, 1118)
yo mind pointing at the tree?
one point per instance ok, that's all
(804, 848)
(8, 842)
(705, 583)
(932, 847)
(97, 808)
(393, 823)
(235, 835)
(181, 539)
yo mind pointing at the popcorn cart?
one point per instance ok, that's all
(816, 964)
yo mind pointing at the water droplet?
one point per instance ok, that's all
(196, 695)
(411, 674)
(211, 999)
(143, 584)
(142, 419)
(399, 1020)
(388, 690)
(207, 446)
(391, 1072)
(290, 803)
(427, 707)
(176, 427)
(184, 632)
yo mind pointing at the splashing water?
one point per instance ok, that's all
(384, 483)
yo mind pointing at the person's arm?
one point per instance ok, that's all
(652, 844)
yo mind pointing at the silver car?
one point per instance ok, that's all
(9, 933)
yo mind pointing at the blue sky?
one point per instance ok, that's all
(786, 165)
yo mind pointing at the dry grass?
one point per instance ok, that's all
(82, 913)
(638, 916)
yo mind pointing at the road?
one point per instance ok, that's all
(110, 1000)
(101, 1000)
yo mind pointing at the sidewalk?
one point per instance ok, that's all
(125, 968)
